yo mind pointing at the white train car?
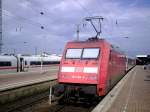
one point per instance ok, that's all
(8, 64)
(34, 61)
(40, 62)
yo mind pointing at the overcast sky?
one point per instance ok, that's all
(22, 21)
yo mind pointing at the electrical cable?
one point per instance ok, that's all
(85, 9)
(31, 22)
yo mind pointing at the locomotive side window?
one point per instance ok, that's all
(5, 63)
(90, 53)
(73, 53)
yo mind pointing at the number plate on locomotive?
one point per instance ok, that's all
(79, 69)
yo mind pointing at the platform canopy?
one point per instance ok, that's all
(143, 59)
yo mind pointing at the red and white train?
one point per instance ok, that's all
(9, 64)
(90, 68)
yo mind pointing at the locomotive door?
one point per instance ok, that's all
(110, 71)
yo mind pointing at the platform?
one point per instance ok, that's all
(14, 80)
(131, 94)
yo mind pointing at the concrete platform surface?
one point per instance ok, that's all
(133, 96)
(14, 80)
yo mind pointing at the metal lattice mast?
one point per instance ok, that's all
(0, 26)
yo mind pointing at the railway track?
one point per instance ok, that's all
(33, 103)
(17, 100)
(24, 104)
(71, 108)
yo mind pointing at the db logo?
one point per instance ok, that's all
(79, 69)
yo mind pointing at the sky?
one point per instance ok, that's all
(36, 26)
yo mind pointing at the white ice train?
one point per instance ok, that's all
(23, 63)
(8, 64)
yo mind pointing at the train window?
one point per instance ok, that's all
(35, 63)
(5, 63)
(90, 53)
(47, 62)
(73, 53)
(25, 62)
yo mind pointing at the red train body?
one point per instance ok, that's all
(91, 67)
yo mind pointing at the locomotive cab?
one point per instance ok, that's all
(80, 65)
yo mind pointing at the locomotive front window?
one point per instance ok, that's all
(73, 53)
(90, 53)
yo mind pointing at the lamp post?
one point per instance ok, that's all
(35, 50)
(41, 62)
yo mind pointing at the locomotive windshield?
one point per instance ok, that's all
(84, 53)
(73, 53)
(90, 53)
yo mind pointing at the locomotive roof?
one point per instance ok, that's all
(113, 47)
(89, 40)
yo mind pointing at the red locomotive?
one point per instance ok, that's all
(90, 68)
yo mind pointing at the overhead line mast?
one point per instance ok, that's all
(1, 43)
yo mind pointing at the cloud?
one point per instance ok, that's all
(60, 18)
